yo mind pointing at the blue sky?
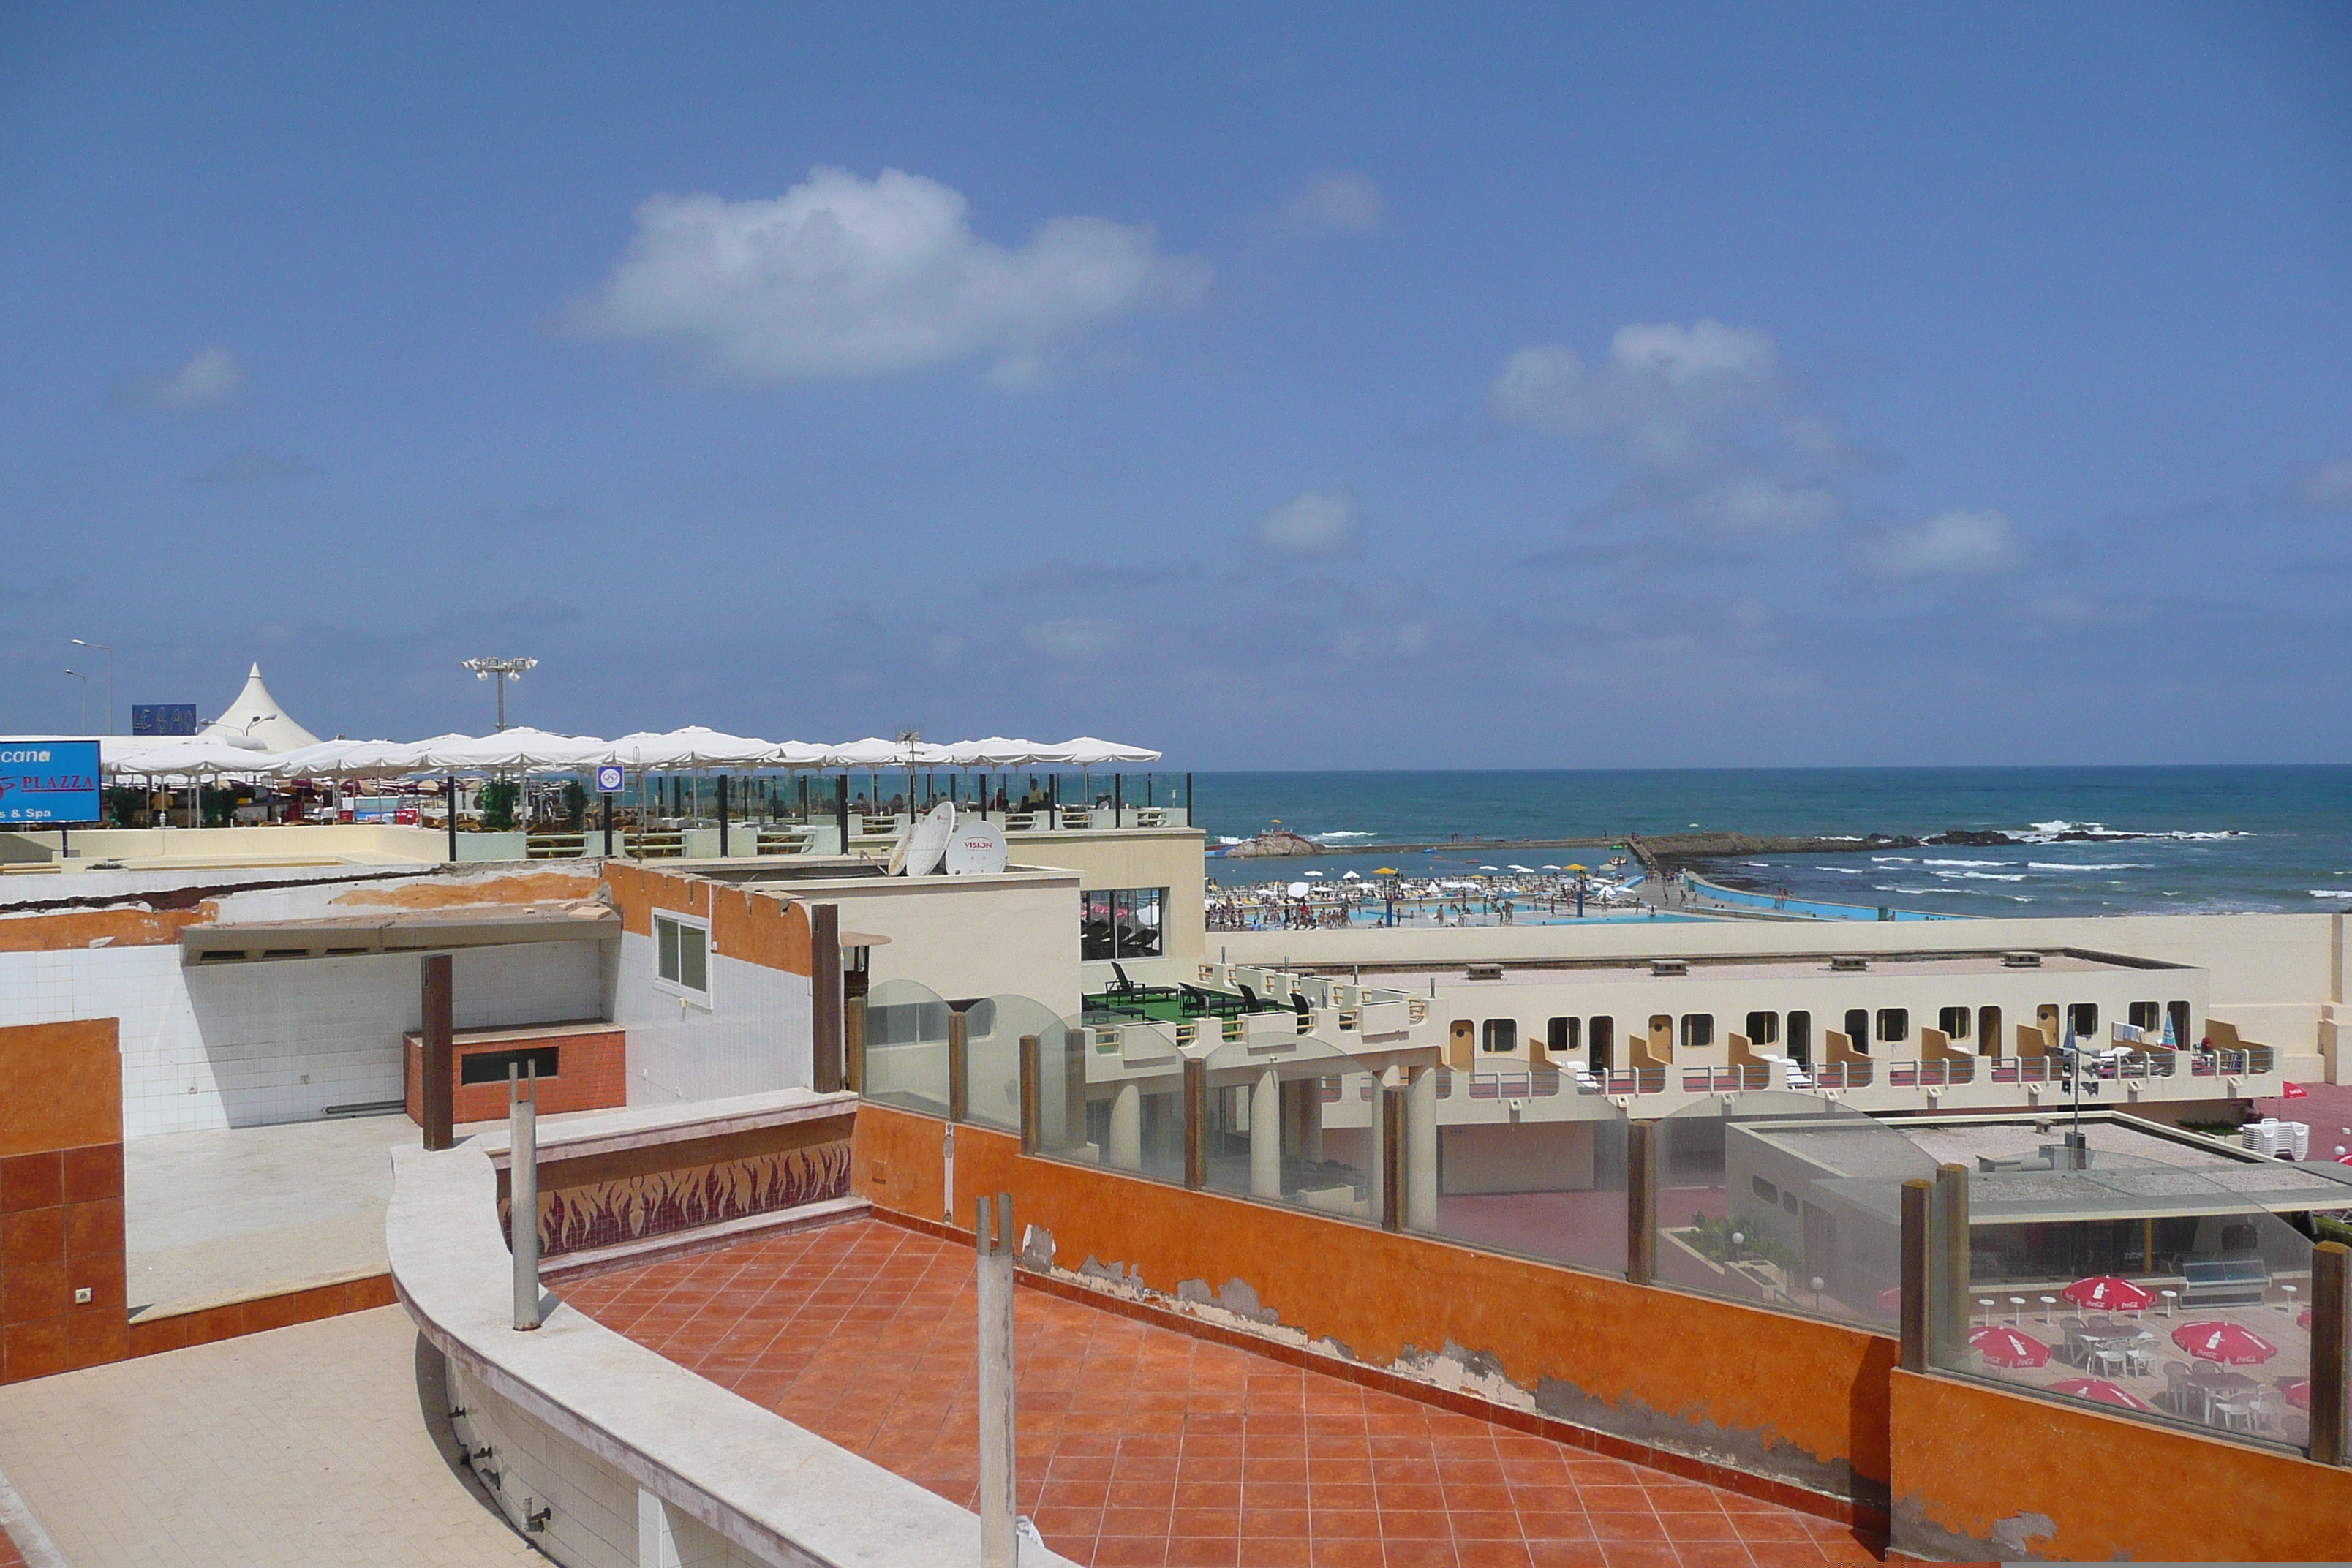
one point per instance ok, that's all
(1691, 385)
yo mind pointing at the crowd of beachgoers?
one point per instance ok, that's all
(1488, 897)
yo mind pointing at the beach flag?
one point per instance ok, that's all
(2170, 1044)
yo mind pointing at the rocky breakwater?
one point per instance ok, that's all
(1275, 843)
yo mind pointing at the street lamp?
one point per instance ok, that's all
(504, 669)
(78, 675)
(107, 724)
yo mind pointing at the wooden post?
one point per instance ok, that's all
(824, 998)
(959, 1064)
(1918, 1205)
(439, 1091)
(1196, 1123)
(1948, 1314)
(853, 1045)
(2331, 1324)
(1641, 1202)
(1030, 1129)
(1392, 1136)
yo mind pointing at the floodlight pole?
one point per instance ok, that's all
(502, 670)
(106, 724)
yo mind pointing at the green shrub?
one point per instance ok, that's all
(497, 804)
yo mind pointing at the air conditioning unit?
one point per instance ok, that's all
(1483, 971)
(1849, 964)
(1670, 966)
(2020, 961)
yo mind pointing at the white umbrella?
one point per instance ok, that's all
(190, 756)
(1000, 751)
(521, 749)
(692, 747)
(1087, 751)
(875, 752)
(798, 754)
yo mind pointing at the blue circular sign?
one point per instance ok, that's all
(608, 779)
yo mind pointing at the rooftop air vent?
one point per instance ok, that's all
(1485, 972)
(1849, 964)
(2020, 961)
(1670, 966)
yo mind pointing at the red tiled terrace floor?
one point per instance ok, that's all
(1139, 1445)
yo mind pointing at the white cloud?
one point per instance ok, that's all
(1074, 637)
(844, 276)
(1756, 505)
(1671, 399)
(1336, 203)
(2328, 488)
(1954, 544)
(208, 380)
(1318, 523)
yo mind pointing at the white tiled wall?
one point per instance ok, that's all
(754, 1036)
(596, 1517)
(244, 1044)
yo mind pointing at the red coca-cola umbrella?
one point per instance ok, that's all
(2294, 1092)
(2105, 1293)
(1891, 1299)
(2099, 1391)
(2003, 1346)
(2298, 1391)
(2231, 1344)
(2303, 1319)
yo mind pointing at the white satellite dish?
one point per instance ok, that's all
(977, 849)
(918, 852)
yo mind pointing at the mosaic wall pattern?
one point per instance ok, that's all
(604, 1213)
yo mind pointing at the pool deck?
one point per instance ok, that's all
(1139, 1445)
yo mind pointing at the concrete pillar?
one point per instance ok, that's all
(1126, 1151)
(1421, 1150)
(522, 1187)
(1266, 1136)
(995, 1241)
(1310, 1118)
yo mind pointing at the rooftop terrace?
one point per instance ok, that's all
(1139, 1445)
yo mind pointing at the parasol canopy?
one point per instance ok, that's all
(2106, 1293)
(2099, 1391)
(2002, 1345)
(2219, 1339)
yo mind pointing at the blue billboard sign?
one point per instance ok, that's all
(49, 780)
(162, 718)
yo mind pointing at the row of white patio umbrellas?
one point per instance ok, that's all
(538, 751)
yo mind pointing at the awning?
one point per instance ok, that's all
(407, 931)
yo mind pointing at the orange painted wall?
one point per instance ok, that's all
(1780, 1379)
(747, 926)
(467, 892)
(61, 1197)
(591, 1074)
(67, 929)
(1967, 1455)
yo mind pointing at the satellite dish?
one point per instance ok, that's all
(977, 849)
(918, 852)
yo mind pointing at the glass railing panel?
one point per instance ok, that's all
(1289, 1119)
(906, 1052)
(1112, 1094)
(994, 1027)
(1787, 1200)
(2156, 1291)
(1526, 1166)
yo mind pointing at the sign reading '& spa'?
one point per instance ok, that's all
(49, 780)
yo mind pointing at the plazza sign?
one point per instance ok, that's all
(49, 780)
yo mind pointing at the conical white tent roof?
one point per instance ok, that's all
(256, 715)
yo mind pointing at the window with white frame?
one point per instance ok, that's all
(682, 955)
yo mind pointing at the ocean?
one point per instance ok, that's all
(2167, 840)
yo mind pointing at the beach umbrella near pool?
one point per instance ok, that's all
(2303, 1319)
(2003, 1346)
(1384, 870)
(2231, 1344)
(2099, 1391)
(1350, 877)
(2294, 1092)
(2296, 1391)
(2105, 1293)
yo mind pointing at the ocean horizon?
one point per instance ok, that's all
(2175, 840)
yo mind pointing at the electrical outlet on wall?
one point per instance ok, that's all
(82, 1296)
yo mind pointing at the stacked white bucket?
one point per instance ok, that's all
(2271, 1137)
